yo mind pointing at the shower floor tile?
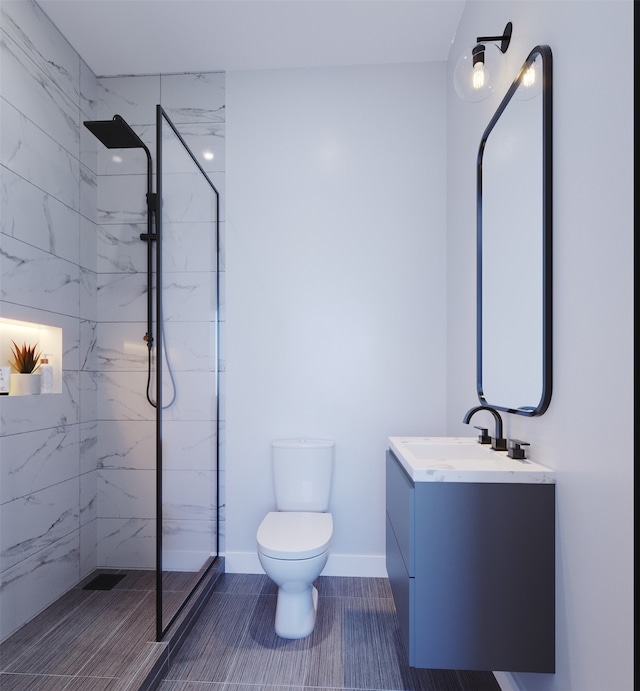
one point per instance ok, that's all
(94, 640)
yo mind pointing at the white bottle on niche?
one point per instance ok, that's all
(46, 380)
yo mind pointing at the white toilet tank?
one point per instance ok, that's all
(302, 471)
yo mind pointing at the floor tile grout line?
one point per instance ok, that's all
(68, 678)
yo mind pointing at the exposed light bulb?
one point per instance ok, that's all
(478, 73)
(208, 155)
(479, 76)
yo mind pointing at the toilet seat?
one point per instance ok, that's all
(294, 534)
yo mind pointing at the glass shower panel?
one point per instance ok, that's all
(187, 373)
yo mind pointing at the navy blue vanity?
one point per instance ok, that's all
(470, 554)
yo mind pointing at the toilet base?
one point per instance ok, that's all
(296, 612)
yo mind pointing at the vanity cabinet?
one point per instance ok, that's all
(472, 570)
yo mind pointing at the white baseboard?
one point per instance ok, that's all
(368, 566)
(242, 562)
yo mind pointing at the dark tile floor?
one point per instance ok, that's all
(355, 644)
(92, 640)
(87, 639)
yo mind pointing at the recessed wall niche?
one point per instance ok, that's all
(47, 338)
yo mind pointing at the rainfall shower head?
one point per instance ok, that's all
(115, 134)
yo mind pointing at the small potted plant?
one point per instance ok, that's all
(25, 380)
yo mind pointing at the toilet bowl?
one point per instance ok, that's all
(293, 549)
(293, 542)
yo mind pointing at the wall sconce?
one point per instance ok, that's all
(477, 74)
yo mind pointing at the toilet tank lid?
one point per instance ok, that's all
(303, 443)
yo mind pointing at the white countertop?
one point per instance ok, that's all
(463, 459)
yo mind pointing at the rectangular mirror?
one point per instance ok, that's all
(514, 252)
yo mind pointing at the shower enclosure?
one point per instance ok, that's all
(182, 377)
(187, 385)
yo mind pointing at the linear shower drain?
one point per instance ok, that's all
(104, 581)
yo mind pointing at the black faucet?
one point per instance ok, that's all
(498, 443)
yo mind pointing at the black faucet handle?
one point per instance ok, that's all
(515, 449)
(483, 437)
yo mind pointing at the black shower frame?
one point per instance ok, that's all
(160, 116)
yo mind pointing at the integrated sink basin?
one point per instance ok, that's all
(435, 450)
(463, 459)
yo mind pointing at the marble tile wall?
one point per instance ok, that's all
(126, 475)
(47, 268)
(77, 475)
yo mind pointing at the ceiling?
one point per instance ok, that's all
(125, 37)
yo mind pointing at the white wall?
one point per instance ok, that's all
(335, 285)
(587, 433)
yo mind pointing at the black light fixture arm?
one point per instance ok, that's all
(505, 39)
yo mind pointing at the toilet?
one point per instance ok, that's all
(293, 541)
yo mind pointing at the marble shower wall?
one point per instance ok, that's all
(76, 468)
(48, 276)
(126, 441)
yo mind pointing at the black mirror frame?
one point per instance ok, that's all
(544, 52)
